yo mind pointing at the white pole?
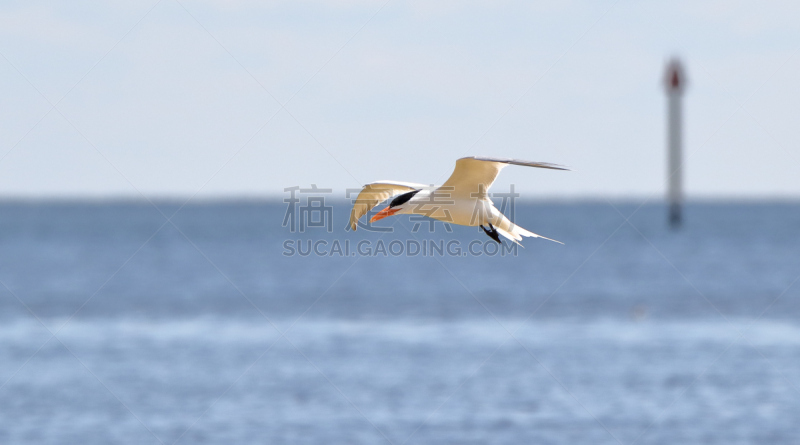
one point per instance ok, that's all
(675, 82)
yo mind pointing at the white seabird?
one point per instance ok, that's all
(463, 199)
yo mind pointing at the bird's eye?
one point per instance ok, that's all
(402, 199)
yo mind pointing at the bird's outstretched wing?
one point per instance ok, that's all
(375, 193)
(475, 174)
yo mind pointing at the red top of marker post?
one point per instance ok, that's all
(674, 78)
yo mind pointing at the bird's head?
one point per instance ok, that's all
(398, 205)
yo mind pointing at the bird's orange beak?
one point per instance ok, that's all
(388, 211)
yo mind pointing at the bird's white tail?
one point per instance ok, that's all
(516, 233)
(512, 231)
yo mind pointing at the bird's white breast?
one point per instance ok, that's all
(449, 206)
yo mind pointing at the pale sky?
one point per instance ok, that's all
(173, 99)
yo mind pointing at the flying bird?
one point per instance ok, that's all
(463, 199)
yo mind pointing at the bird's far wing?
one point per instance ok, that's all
(474, 175)
(375, 193)
(519, 162)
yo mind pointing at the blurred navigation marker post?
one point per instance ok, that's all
(675, 83)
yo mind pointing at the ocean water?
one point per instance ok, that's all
(118, 326)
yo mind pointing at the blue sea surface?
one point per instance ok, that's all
(120, 326)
